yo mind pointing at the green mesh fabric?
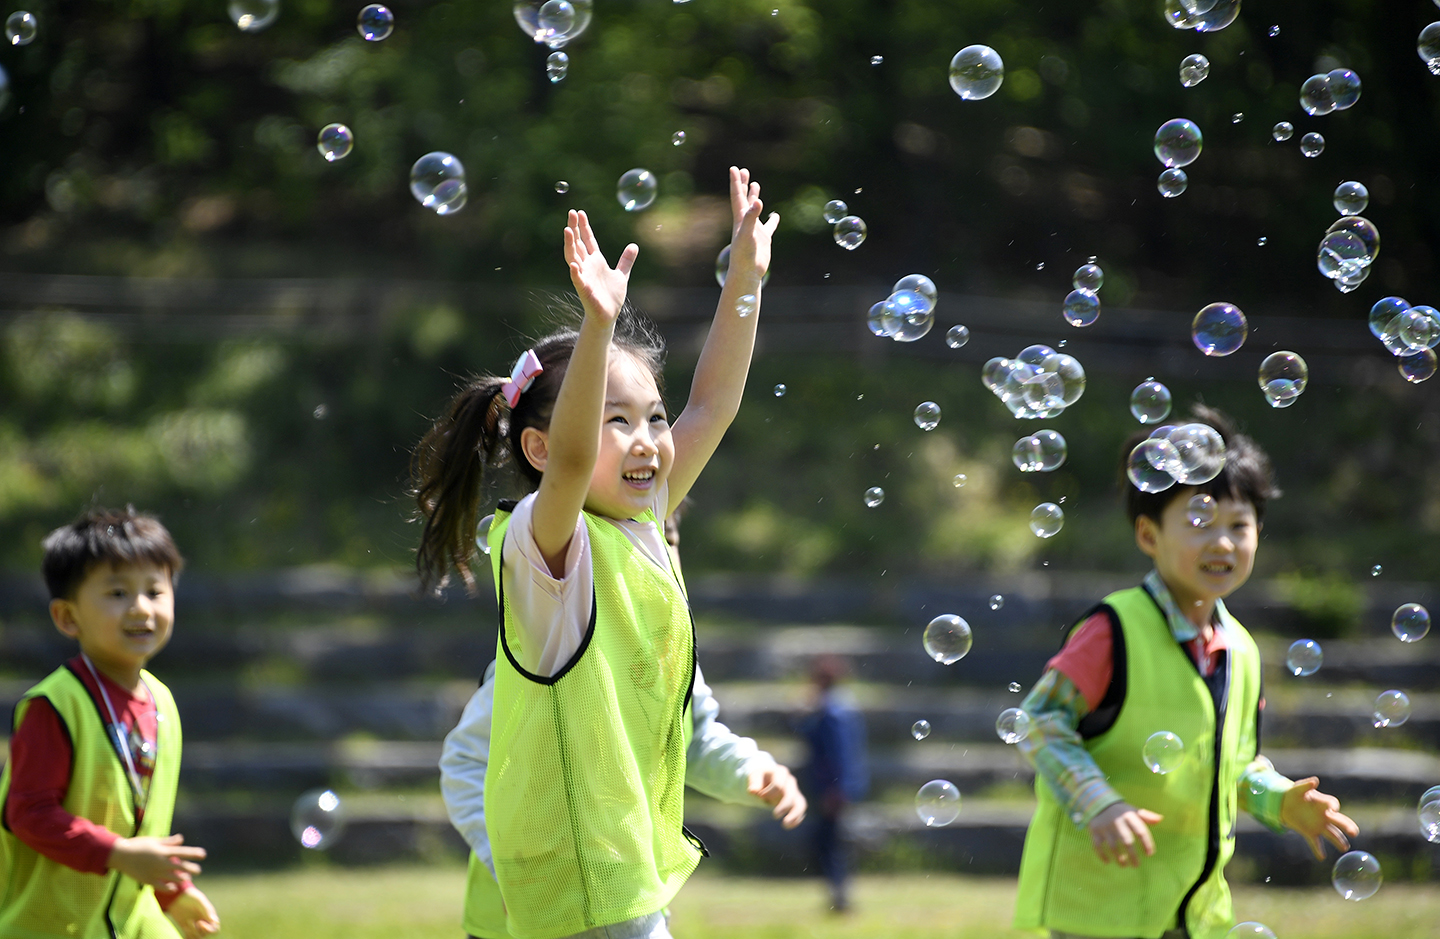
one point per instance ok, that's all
(45, 900)
(1063, 885)
(584, 793)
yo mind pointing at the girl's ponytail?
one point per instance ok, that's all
(447, 472)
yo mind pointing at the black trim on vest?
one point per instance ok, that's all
(1220, 690)
(695, 841)
(1107, 711)
(506, 505)
(505, 643)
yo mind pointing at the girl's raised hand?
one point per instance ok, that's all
(749, 238)
(601, 288)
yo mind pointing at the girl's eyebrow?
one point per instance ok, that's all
(621, 403)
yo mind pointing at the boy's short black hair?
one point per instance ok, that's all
(105, 536)
(1247, 476)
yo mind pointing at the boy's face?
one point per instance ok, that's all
(1201, 564)
(121, 615)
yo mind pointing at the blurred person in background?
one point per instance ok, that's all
(836, 774)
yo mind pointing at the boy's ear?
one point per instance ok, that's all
(1147, 535)
(62, 614)
(535, 447)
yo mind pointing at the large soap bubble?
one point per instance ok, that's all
(1012, 726)
(1081, 308)
(1344, 87)
(1410, 622)
(1356, 876)
(850, 232)
(1316, 97)
(1222, 14)
(1420, 328)
(947, 639)
(1088, 277)
(1193, 70)
(1383, 312)
(927, 415)
(834, 211)
(317, 819)
(1304, 657)
(1341, 254)
(1428, 46)
(334, 142)
(1150, 402)
(1201, 452)
(937, 803)
(976, 72)
(1172, 182)
(20, 28)
(1178, 142)
(561, 22)
(1046, 520)
(1283, 377)
(1350, 198)
(437, 180)
(253, 15)
(1392, 708)
(1312, 144)
(918, 284)
(1361, 228)
(1042, 452)
(1219, 329)
(636, 190)
(1071, 373)
(1146, 464)
(1163, 752)
(375, 23)
(1417, 366)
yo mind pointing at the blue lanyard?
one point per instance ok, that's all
(119, 736)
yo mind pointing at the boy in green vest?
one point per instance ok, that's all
(1163, 657)
(88, 792)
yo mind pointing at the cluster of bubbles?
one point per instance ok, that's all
(1178, 143)
(1356, 875)
(437, 180)
(1352, 243)
(1188, 454)
(1194, 69)
(1037, 383)
(1219, 329)
(909, 312)
(1082, 305)
(1428, 814)
(947, 638)
(317, 819)
(976, 72)
(1042, 452)
(1203, 16)
(937, 803)
(20, 28)
(1163, 752)
(849, 232)
(1336, 90)
(1409, 333)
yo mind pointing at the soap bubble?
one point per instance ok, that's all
(1012, 726)
(1082, 308)
(317, 819)
(1200, 451)
(722, 268)
(557, 66)
(1429, 818)
(920, 729)
(780, 391)
(1088, 277)
(551, 24)
(927, 415)
(1316, 98)
(1361, 228)
(1219, 329)
(1237, 117)
(1341, 253)
(1200, 511)
(918, 284)
(1351, 198)
(997, 601)
(1193, 70)
(1410, 623)
(1304, 657)
(908, 305)
(874, 496)
(20, 28)
(636, 190)
(1046, 520)
(1417, 366)
(993, 372)
(1420, 328)
(1197, 6)
(677, 138)
(881, 321)
(1376, 570)
(1356, 876)
(1150, 402)
(437, 180)
(1163, 752)
(1178, 142)
(562, 187)
(1428, 45)
(1052, 450)
(1178, 16)
(250, 15)
(960, 480)
(1026, 454)
(482, 534)
(835, 210)
(1344, 87)
(1218, 17)
(1043, 393)
(1172, 182)
(1312, 144)
(1013, 687)
(1283, 376)
(334, 142)
(1392, 708)
(1429, 795)
(976, 72)
(850, 232)
(375, 23)
(877, 60)
(937, 803)
(1282, 131)
(745, 305)
(915, 326)
(947, 639)
(1383, 312)
(1036, 354)
(1071, 374)
(555, 18)
(1250, 931)
(1146, 465)
(1347, 283)
(1273, 32)
(957, 336)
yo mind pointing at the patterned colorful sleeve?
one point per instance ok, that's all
(1057, 751)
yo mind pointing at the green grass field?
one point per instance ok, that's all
(424, 903)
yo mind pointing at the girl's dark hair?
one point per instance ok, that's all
(1247, 476)
(479, 437)
(117, 537)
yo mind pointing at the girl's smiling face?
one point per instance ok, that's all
(1201, 565)
(636, 446)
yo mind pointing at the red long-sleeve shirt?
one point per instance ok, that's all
(40, 760)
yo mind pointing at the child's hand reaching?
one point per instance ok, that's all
(1114, 831)
(602, 289)
(777, 788)
(194, 914)
(749, 239)
(159, 862)
(1316, 815)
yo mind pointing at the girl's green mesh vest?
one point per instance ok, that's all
(1063, 885)
(584, 793)
(46, 900)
